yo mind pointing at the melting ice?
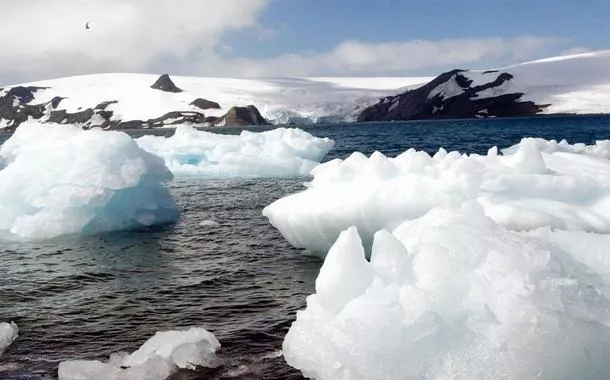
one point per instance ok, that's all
(8, 333)
(60, 180)
(156, 359)
(534, 184)
(481, 266)
(280, 152)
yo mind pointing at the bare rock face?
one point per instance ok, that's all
(164, 83)
(240, 117)
(452, 95)
(205, 104)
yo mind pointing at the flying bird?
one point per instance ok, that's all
(87, 25)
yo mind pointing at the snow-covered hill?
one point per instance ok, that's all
(280, 100)
(567, 84)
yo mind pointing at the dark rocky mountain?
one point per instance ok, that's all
(455, 95)
(165, 83)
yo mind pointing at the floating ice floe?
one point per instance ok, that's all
(454, 295)
(534, 184)
(156, 359)
(8, 333)
(60, 180)
(279, 152)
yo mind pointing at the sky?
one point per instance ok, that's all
(45, 39)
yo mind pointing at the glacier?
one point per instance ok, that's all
(536, 183)
(8, 333)
(454, 295)
(61, 180)
(281, 152)
(280, 100)
(156, 359)
(578, 83)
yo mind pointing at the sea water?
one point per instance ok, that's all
(221, 266)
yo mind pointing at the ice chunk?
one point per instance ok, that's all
(280, 152)
(534, 184)
(156, 359)
(8, 333)
(209, 223)
(60, 180)
(467, 299)
(347, 273)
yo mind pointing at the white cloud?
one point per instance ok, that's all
(48, 38)
(359, 58)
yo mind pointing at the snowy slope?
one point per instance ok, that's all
(568, 84)
(578, 83)
(574, 83)
(280, 100)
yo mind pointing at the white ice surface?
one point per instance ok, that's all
(8, 333)
(454, 295)
(60, 180)
(279, 152)
(535, 184)
(280, 100)
(156, 359)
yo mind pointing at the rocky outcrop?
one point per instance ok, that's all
(240, 116)
(164, 83)
(15, 107)
(177, 117)
(205, 104)
(453, 95)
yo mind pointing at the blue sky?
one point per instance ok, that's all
(250, 38)
(302, 26)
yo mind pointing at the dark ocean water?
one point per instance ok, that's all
(87, 297)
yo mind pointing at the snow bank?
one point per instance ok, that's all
(536, 183)
(8, 333)
(453, 295)
(60, 180)
(279, 152)
(156, 359)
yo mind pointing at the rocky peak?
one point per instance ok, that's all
(165, 83)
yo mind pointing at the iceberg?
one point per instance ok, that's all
(536, 183)
(156, 359)
(454, 295)
(280, 152)
(8, 333)
(60, 180)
